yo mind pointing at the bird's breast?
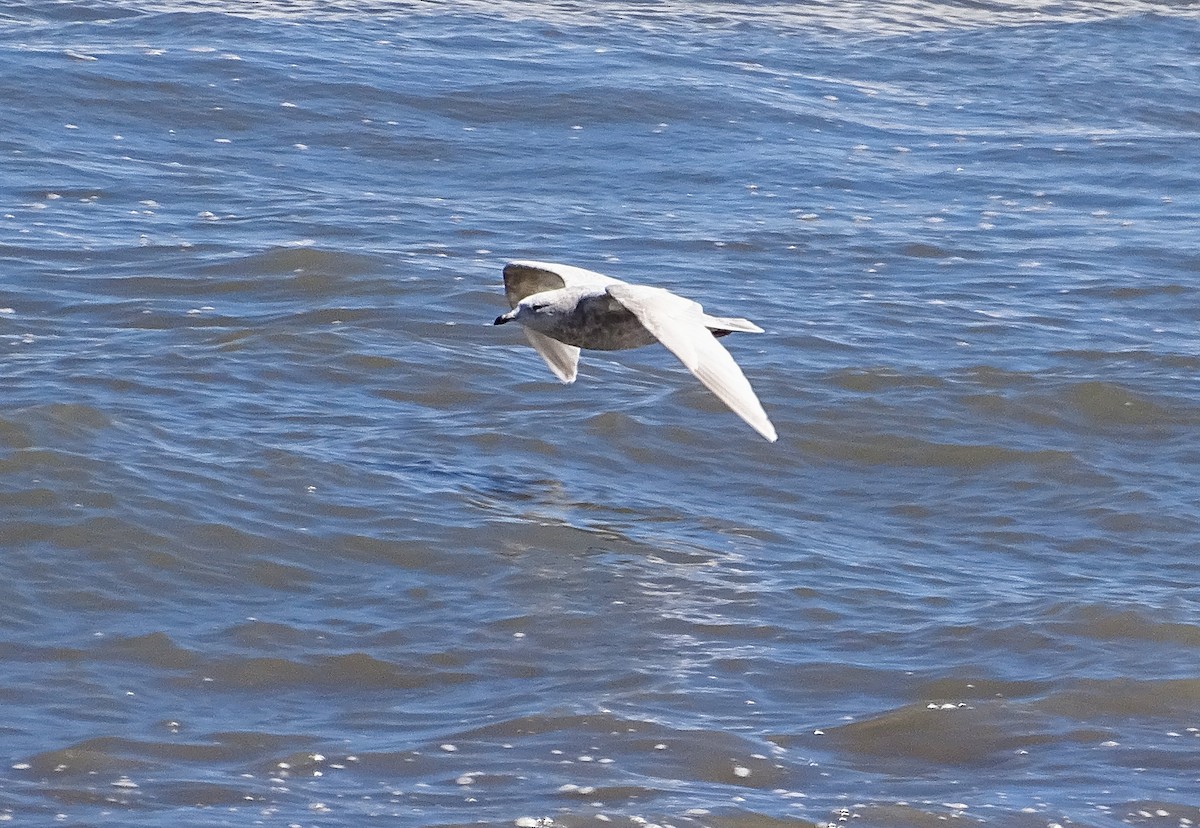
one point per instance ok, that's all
(600, 323)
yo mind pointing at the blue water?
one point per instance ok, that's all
(293, 536)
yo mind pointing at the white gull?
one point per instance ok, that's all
(562, 308)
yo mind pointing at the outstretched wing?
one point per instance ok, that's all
(679, 324)
(563, 359)
(523, 279)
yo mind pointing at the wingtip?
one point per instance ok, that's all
(559, 374)
(765, 428)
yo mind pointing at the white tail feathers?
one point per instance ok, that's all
(730, 323)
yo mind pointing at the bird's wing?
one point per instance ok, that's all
(678, 324)
(523, 279)
(563, 359)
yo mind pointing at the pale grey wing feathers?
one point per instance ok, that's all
(679, 324)
(563, 359)
(523, 279)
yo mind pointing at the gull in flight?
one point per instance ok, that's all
(563, 308)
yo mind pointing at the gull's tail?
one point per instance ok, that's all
(723, 325)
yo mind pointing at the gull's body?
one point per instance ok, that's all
(563, 309)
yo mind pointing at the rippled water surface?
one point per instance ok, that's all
(293, 536)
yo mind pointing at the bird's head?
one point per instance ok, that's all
(526, 312)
